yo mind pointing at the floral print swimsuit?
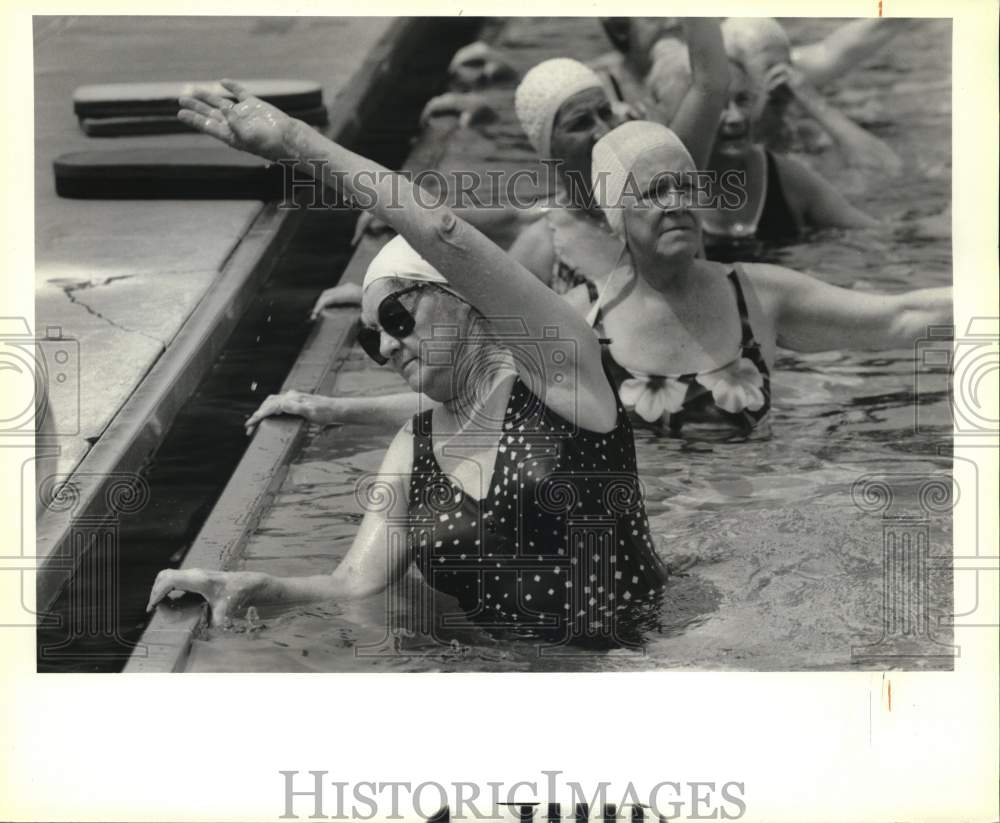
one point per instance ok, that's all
(738, 393)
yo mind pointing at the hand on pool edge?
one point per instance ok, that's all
(344, 294)
(226, 592)
(290, 402)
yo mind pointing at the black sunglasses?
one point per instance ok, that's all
(395, 320)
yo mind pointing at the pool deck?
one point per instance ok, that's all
(121, 277)
(150, 289)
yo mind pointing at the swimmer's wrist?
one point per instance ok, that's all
(327, 410)
(294, 139)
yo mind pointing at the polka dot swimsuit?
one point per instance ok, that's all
(560, 546)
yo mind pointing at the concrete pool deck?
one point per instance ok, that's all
(121, 277)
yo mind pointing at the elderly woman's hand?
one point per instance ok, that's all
(249, 124)
(345, 294)
(227, 593)
(290, 402)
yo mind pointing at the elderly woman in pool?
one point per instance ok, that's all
(783, 196)
(781, 74)
(690, 341)
(481, 480)
(694, 340)
(564, 109)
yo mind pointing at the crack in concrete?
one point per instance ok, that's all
(69, 287)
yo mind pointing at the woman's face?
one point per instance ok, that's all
(661, 223)
(735, 135)
(424, 358)
(581, 121)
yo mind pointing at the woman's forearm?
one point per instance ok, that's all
(390, 196)
(709, 64)
(845, 48)
(392, 409)
(697, 118)
(317, 588)
(853, 141)
(919, 310)
(474, 265)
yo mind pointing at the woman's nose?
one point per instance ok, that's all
(601, 128)
(387, 345)
(732, 115)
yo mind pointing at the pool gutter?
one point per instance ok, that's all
(166, 642)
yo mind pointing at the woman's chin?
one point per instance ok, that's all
(677, 245)
(732, 148)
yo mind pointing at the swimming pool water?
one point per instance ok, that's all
(779, 566)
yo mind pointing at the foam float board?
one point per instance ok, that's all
(160, 98)
(169, 124)
(211, 172)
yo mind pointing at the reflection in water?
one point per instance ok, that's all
(776, 566)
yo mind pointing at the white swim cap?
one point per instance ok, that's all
(543, 90)
(616, 153)
(399, 259)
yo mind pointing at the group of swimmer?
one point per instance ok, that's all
(499, 458)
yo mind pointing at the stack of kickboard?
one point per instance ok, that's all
(151, 108)
(213, 171)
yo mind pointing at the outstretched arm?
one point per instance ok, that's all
(810, 315)
(697, 118)
(475, 266)
(394, 409)
(369, 566)
(845, 48)
(858, 148)
(819, 203)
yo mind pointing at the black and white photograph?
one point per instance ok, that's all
(485, 421)
(561, 346)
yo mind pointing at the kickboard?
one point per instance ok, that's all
(141, 99)
(169, 124)
(214, 173)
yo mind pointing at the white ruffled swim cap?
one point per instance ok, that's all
(543, 90)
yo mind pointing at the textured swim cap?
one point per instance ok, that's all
(746, 38)
(617, 152)
(543, 90)
(397, 258)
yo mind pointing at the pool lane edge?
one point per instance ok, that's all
(166, 641)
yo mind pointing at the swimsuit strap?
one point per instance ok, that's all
(741, 304)
(422, 432)
(595, 316)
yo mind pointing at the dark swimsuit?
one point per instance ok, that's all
(560, 547)
(775, 225)
(699, 402)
